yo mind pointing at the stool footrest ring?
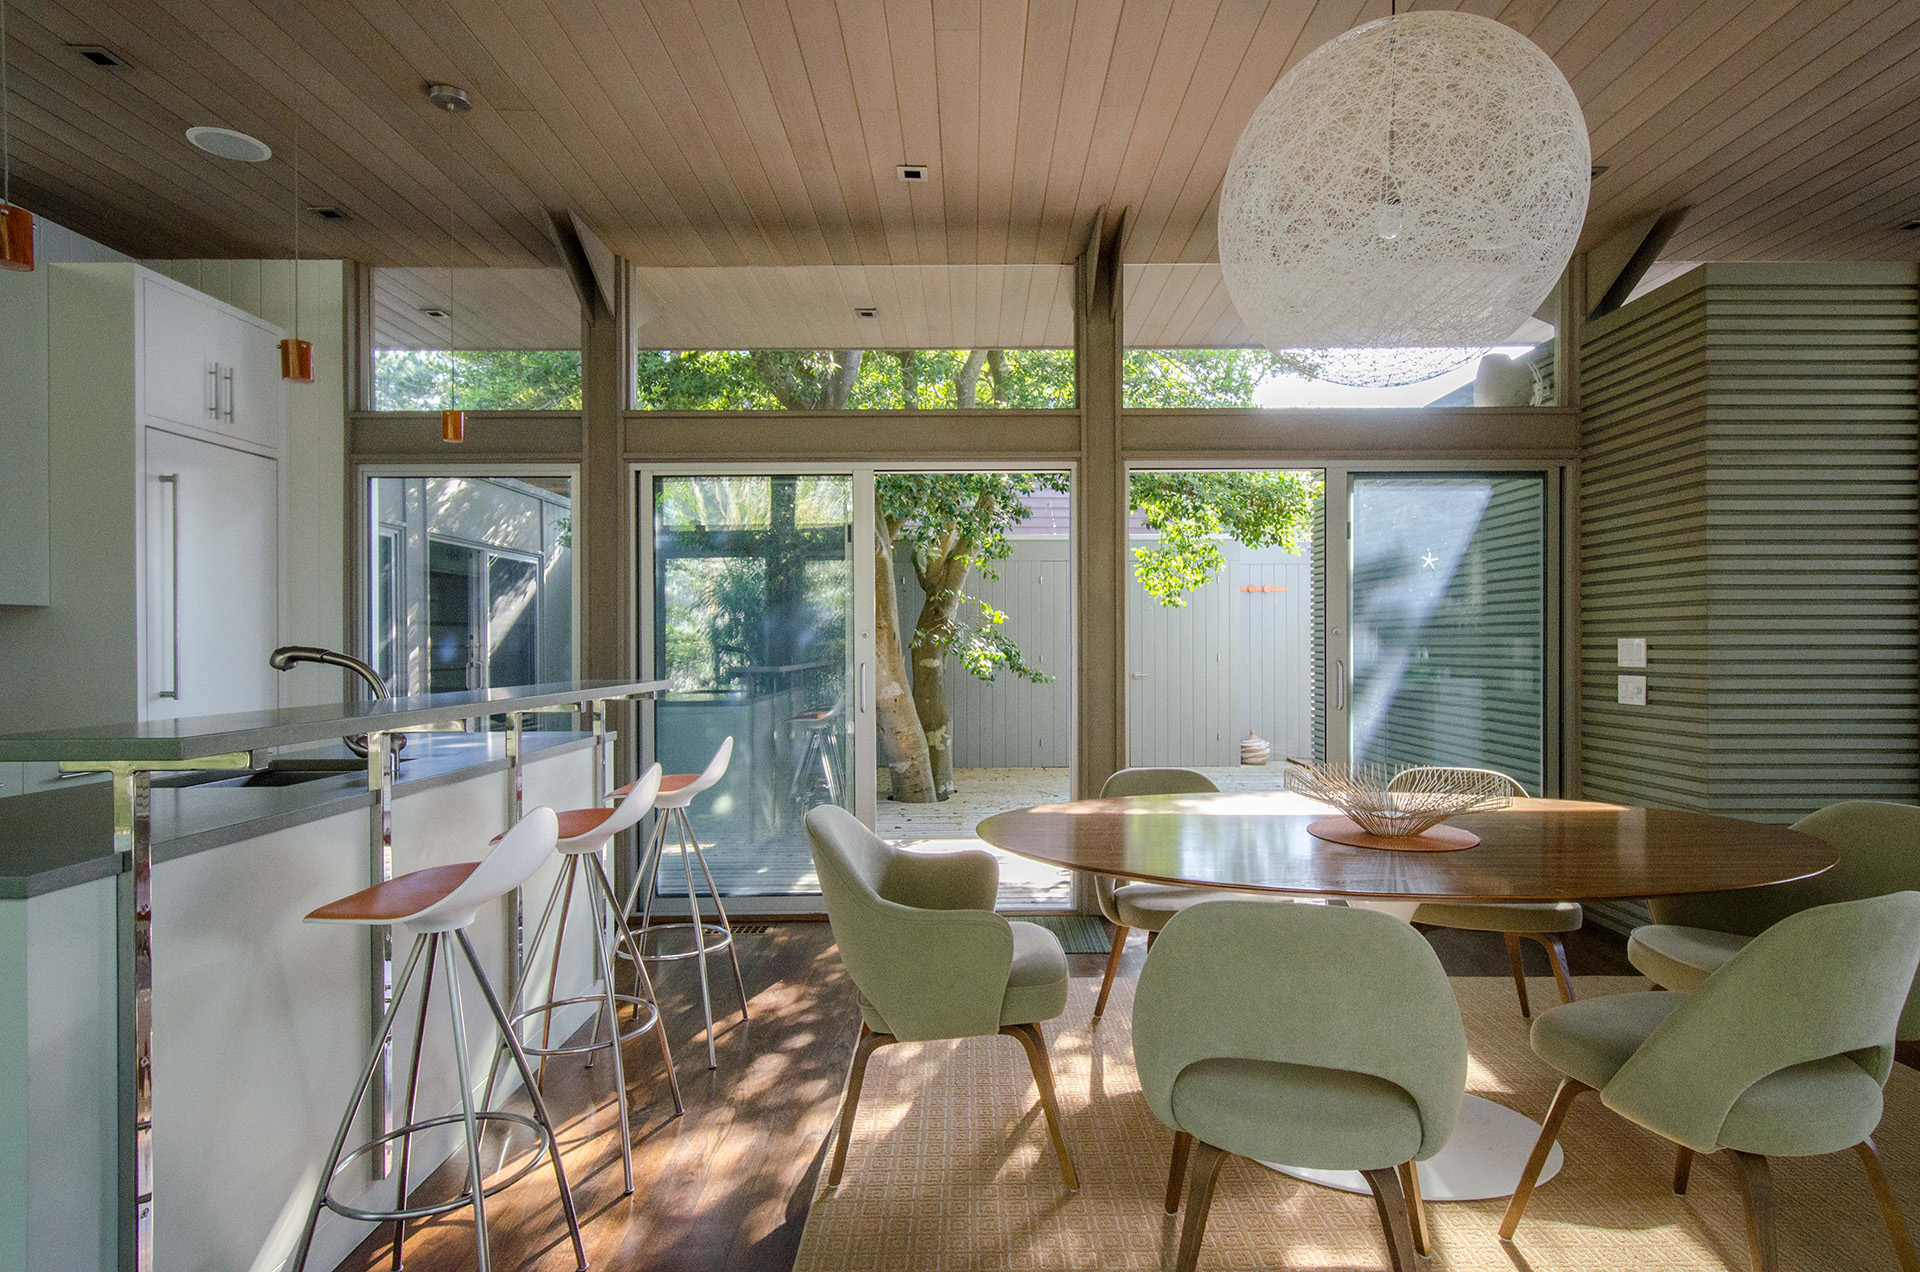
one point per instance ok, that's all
(649, 1013)
(717, 938)
(460, 1202)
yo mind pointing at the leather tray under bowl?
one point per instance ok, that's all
(1441, 838)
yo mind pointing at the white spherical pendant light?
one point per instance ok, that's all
(1405, 197)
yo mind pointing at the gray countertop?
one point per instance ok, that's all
(59, 838)
(196, 737)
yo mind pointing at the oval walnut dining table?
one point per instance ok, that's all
(1532, 850)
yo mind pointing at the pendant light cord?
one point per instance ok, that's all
(453, 355)
(296, 225)
(6, 118)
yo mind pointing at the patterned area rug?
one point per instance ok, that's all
(950, 1168)
(1078, 933)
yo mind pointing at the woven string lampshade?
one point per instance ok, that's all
(1405, 197)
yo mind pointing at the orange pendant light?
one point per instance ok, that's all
(16, 223)
(16, 237)
(296, 357)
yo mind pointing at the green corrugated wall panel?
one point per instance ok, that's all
(1750, 505)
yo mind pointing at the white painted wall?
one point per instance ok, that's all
(27, 512)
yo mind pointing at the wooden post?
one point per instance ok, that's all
(602, 518)
(1100, 532)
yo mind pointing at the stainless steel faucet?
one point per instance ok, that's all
(285, 657)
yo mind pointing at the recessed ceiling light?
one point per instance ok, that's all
(1600, 170)
(98, 54)
(912, 171)
(866, 311)
(435, 313)
(225, 143)
(327, 212)
(1911, 225)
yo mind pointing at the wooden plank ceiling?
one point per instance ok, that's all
(762, 136)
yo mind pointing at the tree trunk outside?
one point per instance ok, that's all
(929, 672)
(897, 722)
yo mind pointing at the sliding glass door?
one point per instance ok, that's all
(752, 622)
(1450, 621)
(897, 643)
(1344, 612)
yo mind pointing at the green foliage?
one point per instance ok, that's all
(951, 524)
(853, 379)
(1188, 378)
(1193, 511)
(476, 379)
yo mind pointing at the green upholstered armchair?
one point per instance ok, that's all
(1691, 936)
(1781, 1053)
(931, 959)
(1147, 906)
(1541, 922)
(1312, 1035)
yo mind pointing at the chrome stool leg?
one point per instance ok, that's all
(533, 1091)
(483, 1257)
(606, 1001)
(299, 1260)
(632, 947)
(520, 991)
(687, 844)
(720, 908)
(603, 967)
(413, 1093)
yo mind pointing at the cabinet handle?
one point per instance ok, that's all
(172, 482)
(213, 390)
(229, 395)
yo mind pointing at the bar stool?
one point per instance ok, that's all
(583, 832)
(819, 757)
(434, 904)
(677, 790)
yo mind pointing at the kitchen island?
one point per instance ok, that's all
(176, 1040)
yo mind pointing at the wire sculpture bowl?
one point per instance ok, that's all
(1417, 803)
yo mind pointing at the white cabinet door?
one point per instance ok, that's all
(255, 396)
(204, 365)
(178, 373)
(212, 579)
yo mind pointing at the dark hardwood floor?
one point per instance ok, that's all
(726, 1187)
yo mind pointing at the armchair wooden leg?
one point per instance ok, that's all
(869, 1043)
(1889, 1206)
(1756, 1193)
(1556, 959)
(1151, 938)
(1392, 1206)
(1519, 973)
(1182, 1149)
(1113, 967)
(1416, 1209)
(1549, 1132)
(1206, 1170)
(1036, 1044)
(1682, 1170)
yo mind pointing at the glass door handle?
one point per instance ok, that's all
(1339, 685)
(863, 688)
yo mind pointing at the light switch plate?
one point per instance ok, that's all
(1633, 691)
(1633, 651)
